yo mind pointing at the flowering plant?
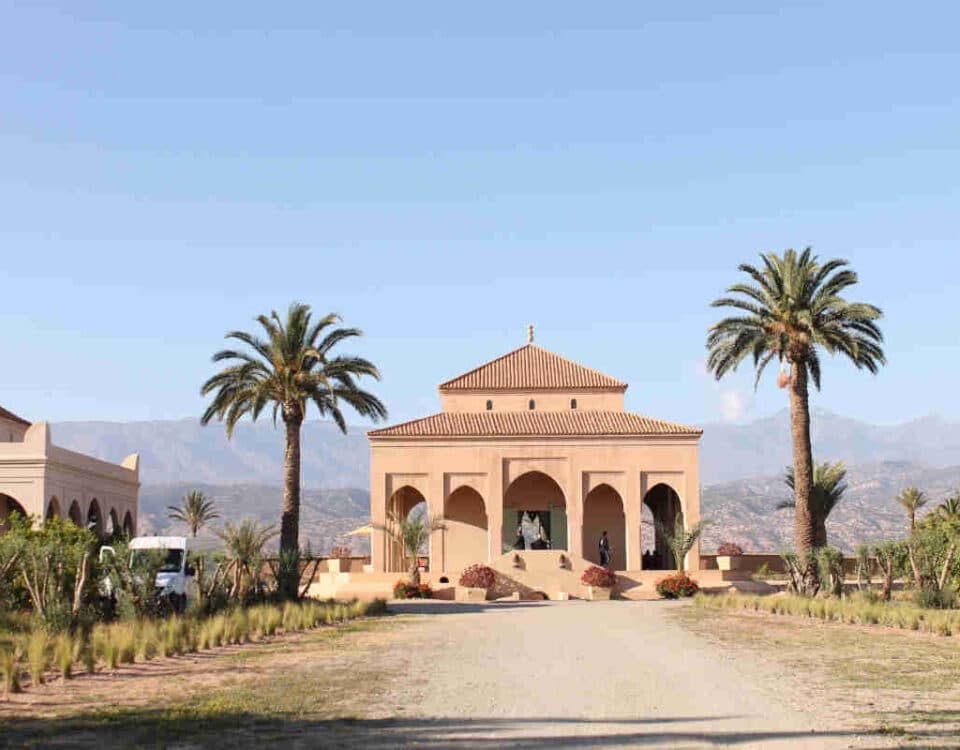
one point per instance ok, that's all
(598, 577)
(478, 577)
(407, 590)
(730, 549)
(676, 586)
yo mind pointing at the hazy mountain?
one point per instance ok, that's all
(763, 447)
(741, 471)
(183, 451)
(744, 511)
(325, 515)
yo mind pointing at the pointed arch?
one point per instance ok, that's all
(95, 518)
(75, 515)
(128, 530)
(465, 540)
(603, 510)
(53, 509)
(534, 510)
(404, 503)
(662, 503)
(9, 506)
(113, 523)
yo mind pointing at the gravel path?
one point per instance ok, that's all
(590, 674)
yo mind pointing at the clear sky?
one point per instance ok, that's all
(443, 174)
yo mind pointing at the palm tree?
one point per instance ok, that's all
(829, 484)
(290, 368)
(791, 309)
(411, 534)
(948, 512)
(912, 499)
(243, 547)
(680, 541)
(196, 510)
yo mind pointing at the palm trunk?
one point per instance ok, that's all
(913, 520)
(820, 536)
(802, 460)
(290, 506)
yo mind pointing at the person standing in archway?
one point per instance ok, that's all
(604, 550)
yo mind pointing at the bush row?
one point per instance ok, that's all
(853, 610)
(108, 645)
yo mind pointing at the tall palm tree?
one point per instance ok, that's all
(912, 499)
(829, 484)
(790, 310)
(292, 366)
(196, 510)
(411, 534)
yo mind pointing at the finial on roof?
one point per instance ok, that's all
(530, 334)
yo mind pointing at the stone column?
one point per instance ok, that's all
(634, 519)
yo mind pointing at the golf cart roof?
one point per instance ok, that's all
(158, 542)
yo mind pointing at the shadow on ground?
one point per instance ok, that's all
(153, 728)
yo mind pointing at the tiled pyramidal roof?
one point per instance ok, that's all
(534, 424)
(531, 368)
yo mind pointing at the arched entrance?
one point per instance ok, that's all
(9, 506)
(128, 525)
(113, 523)
(53, 509)
(603, 511)
(405, 503)
(661, 511)
(95, 518)
(75, 515)
(465, 538)
(534, 513)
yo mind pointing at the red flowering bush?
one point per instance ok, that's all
(598, 577)
(677, 586)
(406, 590)
(478, 577)
(730, 549)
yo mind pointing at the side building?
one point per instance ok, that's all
(40, 479)
(532, 451)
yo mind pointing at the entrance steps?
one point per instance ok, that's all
(530, 574)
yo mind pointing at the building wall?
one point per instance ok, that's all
(629, 466)
(520, 401)
(41, 476)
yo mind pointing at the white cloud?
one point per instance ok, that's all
(734, 405)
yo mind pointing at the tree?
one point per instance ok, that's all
(829, 485)
(292, 367)
(411, 534)
(912, 499)
(196, 510)
(791, 310)
(680, 541)
(243, 546)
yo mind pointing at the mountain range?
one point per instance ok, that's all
(741, 473)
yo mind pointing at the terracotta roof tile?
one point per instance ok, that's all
(534, 424)
(4, 414)
(532, 368)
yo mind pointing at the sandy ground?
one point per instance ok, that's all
(533, 676)
(592, 674)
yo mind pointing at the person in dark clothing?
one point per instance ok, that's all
(604, 550)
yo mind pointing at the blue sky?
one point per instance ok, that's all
(443, 175)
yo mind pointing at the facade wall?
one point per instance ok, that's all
(41, 476)
(630, 466)
(543, 400)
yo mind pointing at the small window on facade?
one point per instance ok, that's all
(533, 404)
(573, 403)
(489, 405)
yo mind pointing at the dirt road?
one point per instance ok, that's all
(592, 674)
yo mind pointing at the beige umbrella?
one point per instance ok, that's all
(362, 531)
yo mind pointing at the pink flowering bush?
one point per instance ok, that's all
(406, 590)
(598, 577)
(478, 577)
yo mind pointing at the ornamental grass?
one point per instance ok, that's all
(857, 609)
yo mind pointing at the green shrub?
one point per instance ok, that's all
(64, 651)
